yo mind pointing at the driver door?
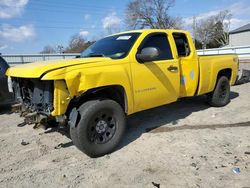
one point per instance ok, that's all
(157, 82)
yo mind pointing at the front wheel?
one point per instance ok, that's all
(221, 94)
(100, 128)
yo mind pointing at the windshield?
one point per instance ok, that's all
(115, 47)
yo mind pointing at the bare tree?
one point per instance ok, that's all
(48, 50)
(151, 14)
(214, 29)
(205, 31)
(77, 44)
(222, 27)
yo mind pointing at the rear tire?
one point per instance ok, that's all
(100, 128)
(221, 94)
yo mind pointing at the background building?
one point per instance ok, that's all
(240, 36)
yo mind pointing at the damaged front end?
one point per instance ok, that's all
(34, 99)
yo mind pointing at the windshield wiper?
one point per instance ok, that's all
(95, 55)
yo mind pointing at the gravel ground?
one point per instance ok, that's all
(184, 144)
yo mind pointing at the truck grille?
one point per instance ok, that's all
(34, 94)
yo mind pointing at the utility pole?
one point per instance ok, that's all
(194, 28)
(60, 48)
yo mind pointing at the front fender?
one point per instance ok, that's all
(79, 80)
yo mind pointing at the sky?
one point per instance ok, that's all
(26, 26)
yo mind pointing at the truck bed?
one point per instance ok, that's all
(209, 63)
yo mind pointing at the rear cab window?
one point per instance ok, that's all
(182, 45)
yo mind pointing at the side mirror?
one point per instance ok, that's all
(148, 54)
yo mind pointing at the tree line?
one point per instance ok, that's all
(208, 32)
(76, 45)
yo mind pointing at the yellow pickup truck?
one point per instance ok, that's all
(117, 76)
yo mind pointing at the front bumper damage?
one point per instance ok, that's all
(29, 116)
(34, 100)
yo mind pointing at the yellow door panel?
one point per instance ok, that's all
(154, 84)
(189, 65)
(189, 77)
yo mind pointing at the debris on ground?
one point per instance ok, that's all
(194, 165)
(245, 77)
(203, 157)
(236, 170)
(21, 124)
(24, 143)
(58, 146)
(156, 184)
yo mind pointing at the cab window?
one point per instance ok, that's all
(159, 41)
(182, 45)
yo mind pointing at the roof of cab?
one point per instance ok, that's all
(149, 30)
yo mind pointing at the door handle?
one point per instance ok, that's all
(172, 68)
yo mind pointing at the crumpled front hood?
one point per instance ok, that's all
(37, 69)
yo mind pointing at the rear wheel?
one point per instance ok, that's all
(100, 128)
(221, 94)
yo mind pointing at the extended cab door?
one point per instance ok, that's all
(189, 65)
(157, 82)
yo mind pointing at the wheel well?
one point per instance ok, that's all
(114, 92)
(225, 72)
